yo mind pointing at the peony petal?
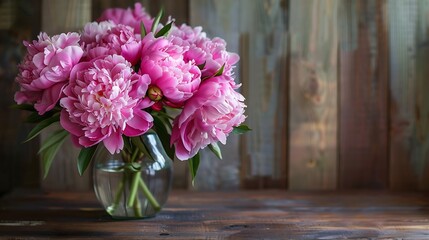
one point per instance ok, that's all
(68, 125)
(114, 143)
(49, 98)
(139, 124)
(131, 52)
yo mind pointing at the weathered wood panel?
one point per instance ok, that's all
(18, 162)
(218, 18)
(178, 9)
(58, 17)
(363, 102)
(98, 6)
(264, 74)
(313, 94)
(409, 87)
(258, 32)
(336, 92)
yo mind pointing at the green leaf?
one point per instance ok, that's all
(48, 154)
(241, 129)
(194, 162)
(220, 71)
(142, 30)
(127, 144)
(34, 117)
(216, 150)
(84, 158)
(156, 20)
(139, 144)
(164, 136)
(55, 137)
(202, 65)
(26, 107)
(164, 116)
(42, 125)
(164, 31)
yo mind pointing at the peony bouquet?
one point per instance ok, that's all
(125, 75)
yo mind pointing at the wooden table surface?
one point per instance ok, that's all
(222, 215)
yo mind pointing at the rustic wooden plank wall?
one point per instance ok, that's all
(178, 9)
(18, 21)
(313, 94)
(363, 101)
(218, 18)
(337, 92)
(409, 91)
(258, 31)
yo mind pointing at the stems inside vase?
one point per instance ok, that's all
(133, 177)
(149, 195)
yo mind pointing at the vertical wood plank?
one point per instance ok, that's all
(57, 17)
(264, 74)
(409, 86)
(218, 18)
(178, 9)
(98, 6)
(313, 94)
(258, 31)
(19, 21)
(363, 95)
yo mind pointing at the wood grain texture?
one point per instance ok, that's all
(98, 6)
(178, 9)
(264, 74)
(57, 17)
(363, 102)
(258, 31)
(223, 215)
(64, 16)
(313, 95)
(409, 87)
(218, 19)
(19, 21)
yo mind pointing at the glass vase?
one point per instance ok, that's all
(137, 189)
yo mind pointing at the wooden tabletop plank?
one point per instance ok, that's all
(220, 215)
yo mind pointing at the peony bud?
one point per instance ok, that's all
(154, 93)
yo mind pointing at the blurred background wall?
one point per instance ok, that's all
(337, 92)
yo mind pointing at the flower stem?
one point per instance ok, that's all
(112, 208)
(134, 156)
(133, 188)
(149, 195)
(137, 208)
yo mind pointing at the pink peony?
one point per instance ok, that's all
(203, 50)
(130, 17)
(173, 79)
(186, 35)
(105, 38)
(45, 70)
(216, 56)
(94, 32)
(209, 116)
(104, 101)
